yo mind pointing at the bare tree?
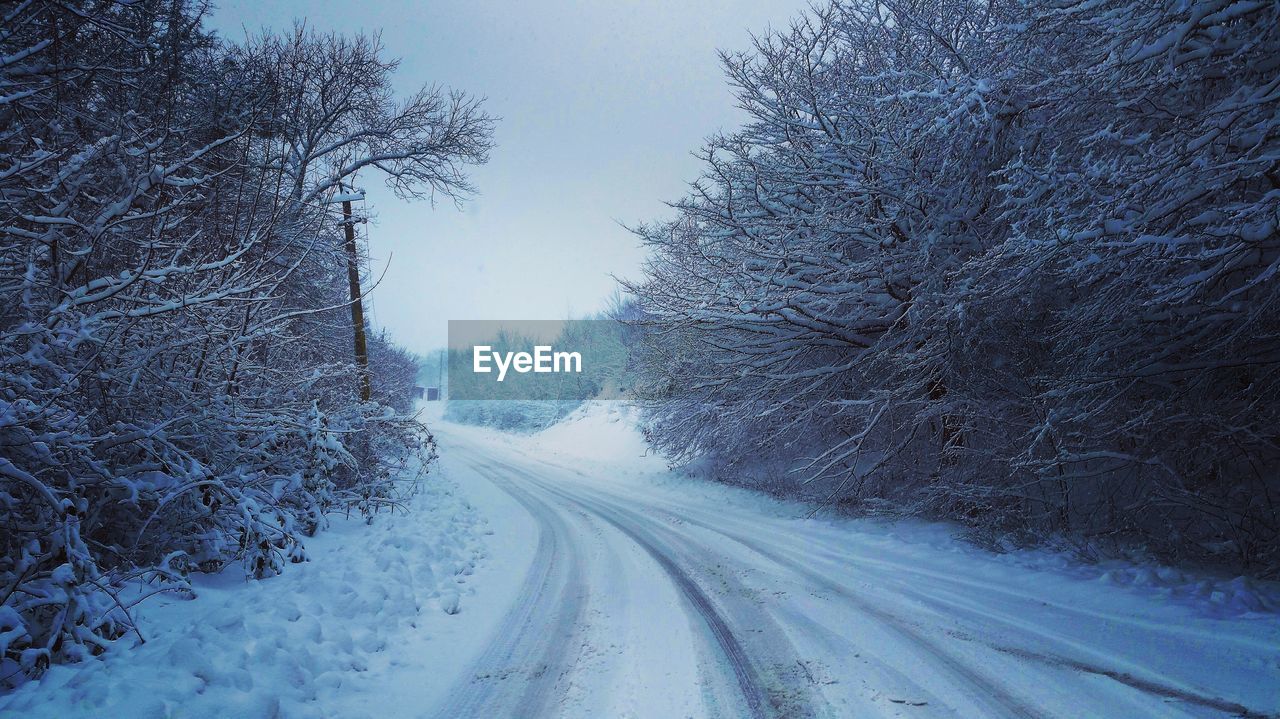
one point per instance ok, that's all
(336, 117)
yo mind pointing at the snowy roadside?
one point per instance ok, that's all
(325, 638)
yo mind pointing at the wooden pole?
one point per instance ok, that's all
(357, 301)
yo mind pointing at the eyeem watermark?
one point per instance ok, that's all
(543, 359)
(553, 360)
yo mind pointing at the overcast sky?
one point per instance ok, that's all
(600, 105)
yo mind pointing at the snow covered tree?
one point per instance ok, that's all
(173, 397)
(1011, 263)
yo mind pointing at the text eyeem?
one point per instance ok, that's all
(542, 360)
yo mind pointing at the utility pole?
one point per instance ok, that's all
(357, 301)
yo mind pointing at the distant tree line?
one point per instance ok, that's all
(532, 401)
(1009, 263)
(177, 382)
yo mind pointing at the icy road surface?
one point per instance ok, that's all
(628, 598)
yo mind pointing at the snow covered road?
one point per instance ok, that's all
(645, 600)
(570, 574)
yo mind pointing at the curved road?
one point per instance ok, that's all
(639, 604)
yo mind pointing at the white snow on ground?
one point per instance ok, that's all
(325, 638)
(589, 581)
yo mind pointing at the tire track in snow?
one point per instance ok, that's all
(534, 637)
(957, 604)
(1004, 702)
(779, 698)
(747, 678)
(1001, 701)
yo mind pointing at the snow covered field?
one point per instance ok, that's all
(569, 574)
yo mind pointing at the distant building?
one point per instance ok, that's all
(417, 392)
(433, 394)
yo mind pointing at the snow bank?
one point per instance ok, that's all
(319, 640)
(599, 432)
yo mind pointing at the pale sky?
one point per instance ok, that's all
(600, 105)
